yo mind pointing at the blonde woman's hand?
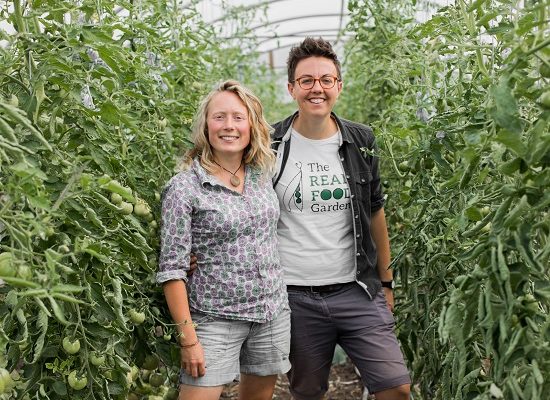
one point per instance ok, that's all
(192, 360)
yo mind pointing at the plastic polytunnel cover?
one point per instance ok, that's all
(277, 25)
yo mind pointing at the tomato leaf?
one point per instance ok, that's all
(42, 325)
(60, 388)
(512, 140)
(505, 110)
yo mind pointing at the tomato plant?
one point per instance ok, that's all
(465, 89)
(96, 102)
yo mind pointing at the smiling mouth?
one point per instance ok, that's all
(229, 138)
(316, 100)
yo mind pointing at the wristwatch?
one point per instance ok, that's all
(388, 284)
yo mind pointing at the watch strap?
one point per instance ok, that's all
(388, 284)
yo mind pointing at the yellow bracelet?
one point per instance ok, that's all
(186, 346)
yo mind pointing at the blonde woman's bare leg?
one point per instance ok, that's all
(188, 392)
(254, 387)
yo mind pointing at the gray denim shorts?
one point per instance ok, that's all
(364, 329)
(233, 347)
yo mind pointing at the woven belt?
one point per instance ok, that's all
(320, 289)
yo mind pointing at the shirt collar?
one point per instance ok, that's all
(286, 129)
(202, 174)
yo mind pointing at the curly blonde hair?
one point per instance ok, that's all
(258, 153)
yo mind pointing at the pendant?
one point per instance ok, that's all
(235, 181)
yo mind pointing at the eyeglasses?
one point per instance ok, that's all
(326, 81)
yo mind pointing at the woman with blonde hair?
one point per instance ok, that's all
(232, 313)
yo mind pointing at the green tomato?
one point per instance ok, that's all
(6, 265)
(529, 298)
(116, 198)
(428, 163)
(24, 272)
(486, 228)
(6, 381)
(404, 166)
(71, 346)
(544, 99)
(13, 100)
(77, 382)
(544, 70)
(63, 249)
(156, 379)
(97, 359)
(171, 394)
(133, 373)
(126, 208)
(141, 209)
(416, 167)
(145, 374)
(137, 317)
(151, 362)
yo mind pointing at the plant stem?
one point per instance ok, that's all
(19, 22)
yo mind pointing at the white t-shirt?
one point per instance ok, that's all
(315, 228)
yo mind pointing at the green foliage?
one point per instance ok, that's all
(455, 103)
(96, 102)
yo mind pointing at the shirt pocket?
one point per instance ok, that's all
(363, 183)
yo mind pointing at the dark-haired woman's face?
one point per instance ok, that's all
(317, 101)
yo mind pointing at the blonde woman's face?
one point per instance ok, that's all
(228, 125)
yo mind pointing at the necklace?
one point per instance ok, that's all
(234, 180)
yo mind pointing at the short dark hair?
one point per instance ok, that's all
(311, 47)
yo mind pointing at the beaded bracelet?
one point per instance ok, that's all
(186, 346)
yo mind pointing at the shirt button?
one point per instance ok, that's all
(358, 236)
(356, 215)
(347, 176)
(358, 254)
(362, 180)
(341, 158)
(352, 196)
(357, 273)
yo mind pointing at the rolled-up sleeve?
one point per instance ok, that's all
(377, 194)
(175, 233)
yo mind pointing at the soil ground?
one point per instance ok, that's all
(344, 384)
